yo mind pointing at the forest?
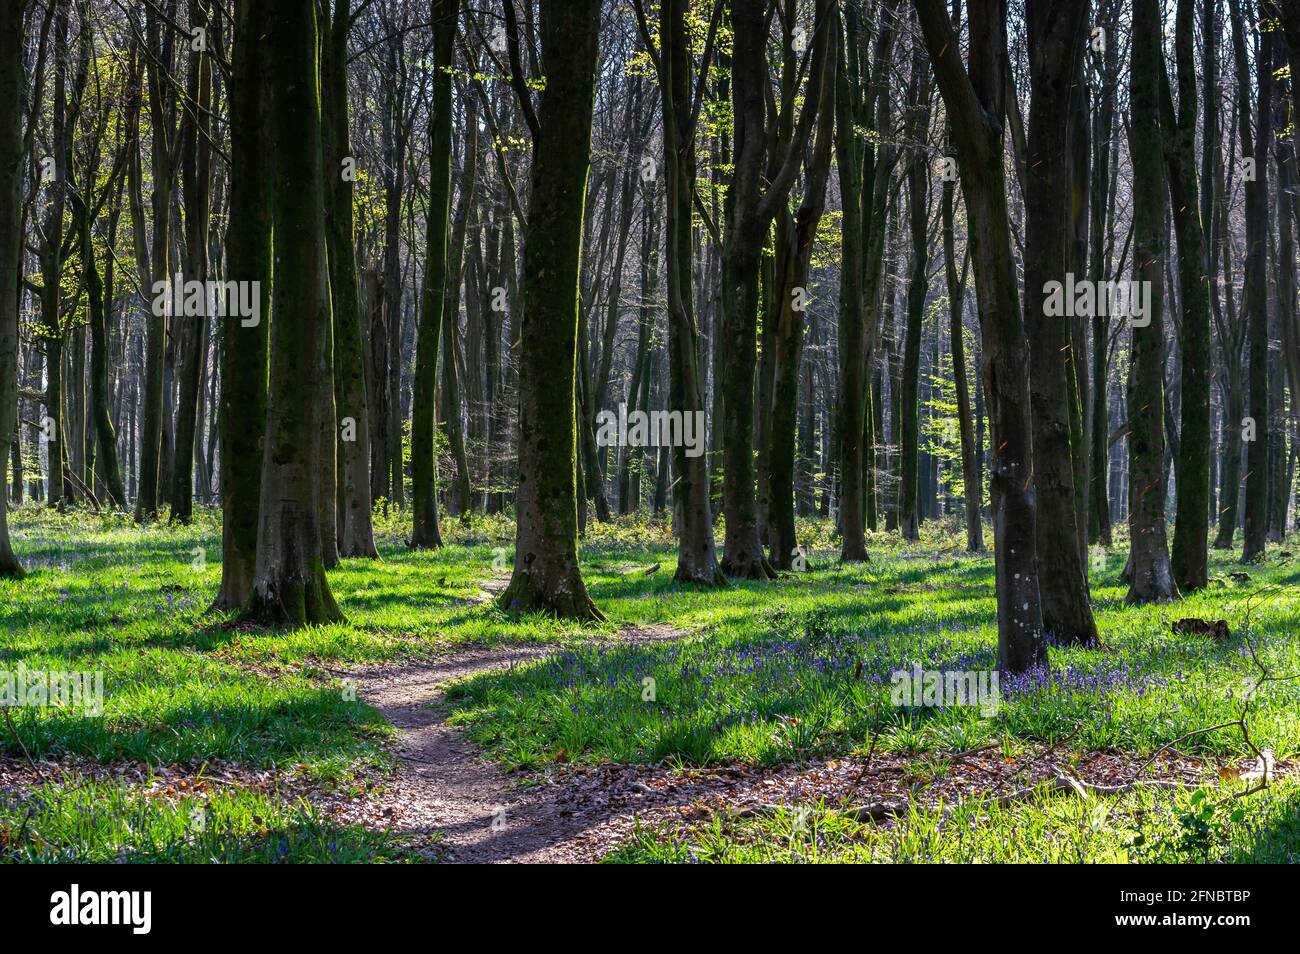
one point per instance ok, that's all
(639, 431)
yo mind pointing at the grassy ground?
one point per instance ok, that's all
(1147, 826)
(792, 671)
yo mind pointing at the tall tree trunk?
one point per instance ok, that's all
(697, 560)
(290, 587)
(1149, 573)
(851, 396)
(546, 574)
(162, 114)
(794, 265)
(12, 77)
(196, 186)
(452, 399)
(1255, 292)
(1102, 225)
(244, 342)
(956, 336)
(356, 536)
(1057, 35)
(51, 263)
(753, 209)
(918, 282)
(424, 460)
(976, 105)
(1190, 556)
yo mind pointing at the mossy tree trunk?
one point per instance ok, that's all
(196, 189)
(424, 460)
(11, 250)
(1150, 576)
(697, 560)
(356, 536)
(546, 574)
(290, 587)
(1190, 556)
(242, 414)
(975, 102)
(1058, 31)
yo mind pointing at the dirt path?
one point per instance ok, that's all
(483, 814)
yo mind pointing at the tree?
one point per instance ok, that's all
(975, 101)
(356, 536)
(1189, 559)
(918, 287)
(546, 575)
(1256, 294)
(1058, 30)
(161, 43)
(289, 587)
(12, 16)
(864, 169)
(424, 461)
(1150, 576)
(196, 189)
(244, 346)
(795, 235)
(752, 209)
(697, 560)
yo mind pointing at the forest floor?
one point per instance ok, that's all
(752, 723)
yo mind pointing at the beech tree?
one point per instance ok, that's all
(1189, 559)
(975, 99)
(12, 154)
(546, 576)
(424, 464)
(245, 344)
(752, 209)
(289, 585)
(1058, 30)
(682, 91)
(1150, 576)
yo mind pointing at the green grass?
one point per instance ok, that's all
(1146, 826)
(801, 668)
(180, 684)
(107, 821)
(787, 671)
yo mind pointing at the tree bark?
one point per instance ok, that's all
(425, 534)
(196, 187)
(1150, 576)
(1190, 556)
(975, 101)
(11, 252)
(244, 348)
(356, 536)
(290, 587)
(1057, 35)
(546, 575)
